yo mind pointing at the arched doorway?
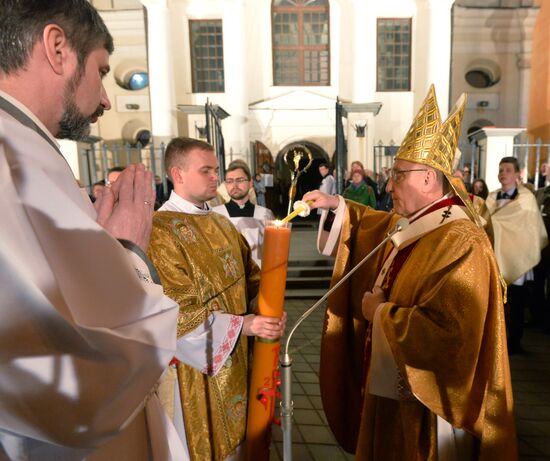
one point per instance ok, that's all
(308, 180)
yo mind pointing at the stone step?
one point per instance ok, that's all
(313, 263)
(307, 282)
(305, 276)
(313, 293)
(307, 271)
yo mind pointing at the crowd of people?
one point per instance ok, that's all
(126, 330)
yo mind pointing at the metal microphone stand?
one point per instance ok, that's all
(287, 405)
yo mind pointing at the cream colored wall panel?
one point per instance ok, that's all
(132, 103)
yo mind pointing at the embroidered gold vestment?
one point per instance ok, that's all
(444, 321)
(205, 265)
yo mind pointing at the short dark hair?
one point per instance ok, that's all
(239, 165)
(513, 160)
(178, 148)
(484, 189)
(23, 21)
(325, 164)
(115, 168)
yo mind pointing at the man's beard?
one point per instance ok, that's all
(238, 195)
(73, 124)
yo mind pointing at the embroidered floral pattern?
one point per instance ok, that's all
(143, 276)
(230, 265)
(226, 346)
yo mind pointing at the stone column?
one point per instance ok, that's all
(161, 74)
(235, 127)
(495, 143)
(364, 79)
(364, 51)
(524, 68)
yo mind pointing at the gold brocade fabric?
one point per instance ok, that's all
(517, 232)
(205, 265)
(342, 347)
(417, 146)
(432, 142)
(444, 321)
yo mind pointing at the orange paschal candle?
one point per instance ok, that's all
(264, 376)
(274, 268)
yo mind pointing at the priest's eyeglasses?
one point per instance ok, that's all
(236, 180)
(397, 175)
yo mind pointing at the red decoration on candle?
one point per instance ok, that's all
(265, 375)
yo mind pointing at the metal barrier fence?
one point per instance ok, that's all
(98, 158)
(525, 152)
(531, 156)
(383, 156)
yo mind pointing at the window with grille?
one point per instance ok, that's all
(393, 55)
(301, 42)
(207, 56)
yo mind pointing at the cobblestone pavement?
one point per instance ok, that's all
(313, 440)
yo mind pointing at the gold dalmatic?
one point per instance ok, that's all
(204, 275)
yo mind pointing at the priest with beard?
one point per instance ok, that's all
(247, 217)
(86, 328)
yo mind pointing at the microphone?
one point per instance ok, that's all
(401, 225)
(286, 363)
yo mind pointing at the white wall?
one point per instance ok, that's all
(262, 111)
(128, 30)
(503, 36)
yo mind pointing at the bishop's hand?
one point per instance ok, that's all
(371, 300)
(319, 199)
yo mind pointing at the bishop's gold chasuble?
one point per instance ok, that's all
(444, 321)
(205, 265)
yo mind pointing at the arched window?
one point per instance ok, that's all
(301, 42)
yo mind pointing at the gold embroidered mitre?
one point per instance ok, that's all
(444, 151)
(417, 145)
(435, 144)
(444, 147)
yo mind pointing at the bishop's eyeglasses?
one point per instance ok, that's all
(397, 175)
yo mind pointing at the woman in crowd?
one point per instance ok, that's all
(480, 189)
(358, 191)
